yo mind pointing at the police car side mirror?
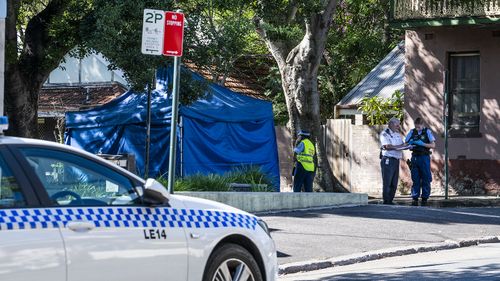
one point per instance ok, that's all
(155, 193)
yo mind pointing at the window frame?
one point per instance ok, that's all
(39, 188)
(461, 132)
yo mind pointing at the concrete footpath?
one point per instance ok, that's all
(475, 263)
(451, 202)
(320, 238)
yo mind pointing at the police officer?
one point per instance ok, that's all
(304, 170)
(423, 141)
(391, 153)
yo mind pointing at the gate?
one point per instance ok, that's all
(338, 143)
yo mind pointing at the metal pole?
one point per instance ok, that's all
(3, 15)
(148, 133)
(446, 108)
(181, 146)
(173, 126)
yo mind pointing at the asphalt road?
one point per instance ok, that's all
(470, 263)
(313, 235)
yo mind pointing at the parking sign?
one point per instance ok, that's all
(152, 32)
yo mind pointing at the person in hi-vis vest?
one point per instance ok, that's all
(305, 168)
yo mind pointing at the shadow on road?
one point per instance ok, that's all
(405, 213)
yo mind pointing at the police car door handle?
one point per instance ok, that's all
(80, 226)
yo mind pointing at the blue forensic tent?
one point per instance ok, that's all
(223, 131)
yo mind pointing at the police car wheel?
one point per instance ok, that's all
(232, 262)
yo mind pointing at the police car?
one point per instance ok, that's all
(66, 214)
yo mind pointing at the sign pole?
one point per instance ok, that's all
(172, 46)
(163, 33)
(446, 114)
(152, 44)
(148, 130)
(173, 126)
(3, 15)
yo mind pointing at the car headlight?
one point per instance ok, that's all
(264, 226)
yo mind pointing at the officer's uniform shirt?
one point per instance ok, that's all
(430, 136)
(393, 138)
(299, 148)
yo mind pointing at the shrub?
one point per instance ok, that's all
(379, 110)
(250, 175)
(214, 182)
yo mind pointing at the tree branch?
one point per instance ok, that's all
(292, 11)
(328, 58)
(277, 52)
(37, 39)
(320, 25)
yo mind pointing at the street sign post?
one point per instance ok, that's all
(153, 23)
(172, 46)
(163, 33)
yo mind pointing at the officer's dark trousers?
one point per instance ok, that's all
(301, 178)
(421, 176)
(390, 176)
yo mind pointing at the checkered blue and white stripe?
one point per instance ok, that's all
(111, 217)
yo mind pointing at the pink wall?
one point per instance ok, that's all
(424, 83)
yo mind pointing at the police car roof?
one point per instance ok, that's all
(17, 140)
(7, 140)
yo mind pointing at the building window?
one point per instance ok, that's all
(464, 99)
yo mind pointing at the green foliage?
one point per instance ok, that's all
(62, 20)
(217, 33)
(250, 175)
(380, 110)
(191, 89)
(274, 92)
(199, 182)
(214, 182)
(288, 12)
(7, 187)
(114, 29)
(398, 104)
(290, 34)
(286, 19)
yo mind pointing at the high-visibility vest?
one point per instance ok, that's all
(306, 157)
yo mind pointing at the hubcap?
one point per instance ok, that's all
(233, 270)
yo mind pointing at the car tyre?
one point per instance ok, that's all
(232, 262)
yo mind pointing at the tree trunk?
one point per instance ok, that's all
(302, 99)
(299, 75)
(27, 68)
(21, 104)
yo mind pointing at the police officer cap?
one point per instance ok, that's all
(304, 133)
